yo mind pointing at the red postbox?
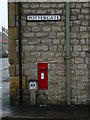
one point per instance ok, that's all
(42, 76)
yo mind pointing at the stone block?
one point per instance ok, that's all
(52, 35)
(75, 28)
(25, 66)
(29, 11)
(53, 5)
(72, 5)
(53, 48)
(83, 54)
(39, 35)
(48, 54)
(76, 48)
(30, 34)
(27, 48)
(73, 35)
(12, 69)
(14, 82)
(51, 11)
(75, 11)
(74, 41)
(79, 5)
(82, 41)
(12, 44)
(46, 29)
(11, 8)
(13, 32)
(80, 16)
(84, 23)
(85, 48)
(85, 11)
(16, 8)
(41, 11)
(79, 60)
(56, 28)
(82, 66)
(46, 41)
(60, 48)
(83, 28)
(59, 11)
(11, 21)
(56, 41)
(61, 5)
(35, 54)
(85, 5)
(25, 5)
(24, 42)
(34, 5)
(42, 48)
(73, 17)
(44, 5)
(61, 35)
(13, 57)
(80, 72)
(36, 29)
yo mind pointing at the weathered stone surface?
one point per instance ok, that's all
(79, 60)
(75, 11)
(41, 48)
(82, 66)
(80, 16)
(85, 48)
(83, 54)
(85, 11)
(77, 48)
(61, 5)
(11, 21)
(11, 8)
(46, 42)
(25, 5)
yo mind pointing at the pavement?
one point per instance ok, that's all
(50, 112)
(38, 112)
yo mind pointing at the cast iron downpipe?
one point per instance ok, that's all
(20, 54)
(68, 50)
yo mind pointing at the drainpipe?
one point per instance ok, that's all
(68, 50)
(2, 42)
(20, 53)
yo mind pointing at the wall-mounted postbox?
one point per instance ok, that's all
(42, 76)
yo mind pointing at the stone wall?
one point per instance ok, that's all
(45, 42)
(79, 13)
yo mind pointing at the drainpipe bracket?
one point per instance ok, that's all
(68, 57)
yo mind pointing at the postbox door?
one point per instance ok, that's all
(43, 77)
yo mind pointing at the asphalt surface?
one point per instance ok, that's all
(38, 112)
(4, 86)
(51, 112)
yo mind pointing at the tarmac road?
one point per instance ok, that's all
(4, 86)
